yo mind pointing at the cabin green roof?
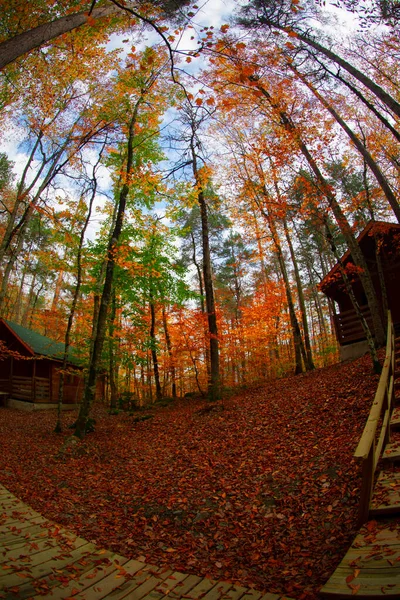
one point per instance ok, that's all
(42, 345)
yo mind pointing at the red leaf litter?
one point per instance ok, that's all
(262, 492)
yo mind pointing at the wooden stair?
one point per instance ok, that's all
(391, 452)
(386, 496)
(395, 420)
(371, 567)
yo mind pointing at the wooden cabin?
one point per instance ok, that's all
(30, 369)
(381, 237)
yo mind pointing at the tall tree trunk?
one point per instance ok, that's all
(367, 103)
(113, 367)
(99, 334)
(356, 253)
(153, 341)
(214, 382)
(299, 350)
(309, 359)
(76, 294)
(379, 92)
(24, 42)
(379, 176)
(170, 354)
(202, 306)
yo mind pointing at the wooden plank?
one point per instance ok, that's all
(133, 592)
(25, 574)
(23, 531)
(392, 452)
(166, 586)
(204, 586)
(133, 568)
(386, 496)
(35, 532)
(25, 548)
(12, 524)
(236, 592)
(252, 595)
(370, 568)
(218, 591)
(182, 588)
(395, 419)
(88, 575)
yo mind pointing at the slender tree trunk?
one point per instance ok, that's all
(202, 307)
(99, 334)
(153, 340)
(170, 354)
(71, 316)
(367, 103)
(356, 253)
(113, 368)
(379, 92)
(20, 44)
(214, 382)
(309, 359)
(299, 349)
(379, 176)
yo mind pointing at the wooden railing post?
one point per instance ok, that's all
(366, 486)
(373, 440)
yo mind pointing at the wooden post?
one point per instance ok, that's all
(33, 391)
(11, 376)
(366, 486)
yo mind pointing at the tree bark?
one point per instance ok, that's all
(214, 381)
(24, 42)
(113, 367)
(357, 255)
(170, 354)
(379, 176)
(380, 93)
(99, 333)
(153, 341)
(309, 359)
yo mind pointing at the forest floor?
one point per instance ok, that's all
(263, 492)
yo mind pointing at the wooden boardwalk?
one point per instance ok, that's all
(39, 559)
(371, 567)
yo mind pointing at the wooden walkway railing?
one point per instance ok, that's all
(371, 567)
(376, 433)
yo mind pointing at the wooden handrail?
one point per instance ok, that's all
(373, 440)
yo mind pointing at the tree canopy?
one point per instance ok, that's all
(179, 187)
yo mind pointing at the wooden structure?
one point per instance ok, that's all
(379, 241)
(371, 567)
(376, 434)
(40, 559)
(31, 371)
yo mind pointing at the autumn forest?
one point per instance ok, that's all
(181, 184)
(172, 194)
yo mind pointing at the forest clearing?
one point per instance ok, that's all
(199, 217)
(263, 492)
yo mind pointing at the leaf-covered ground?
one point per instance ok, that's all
(263, 493)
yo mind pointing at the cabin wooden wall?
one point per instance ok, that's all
(73, 386)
